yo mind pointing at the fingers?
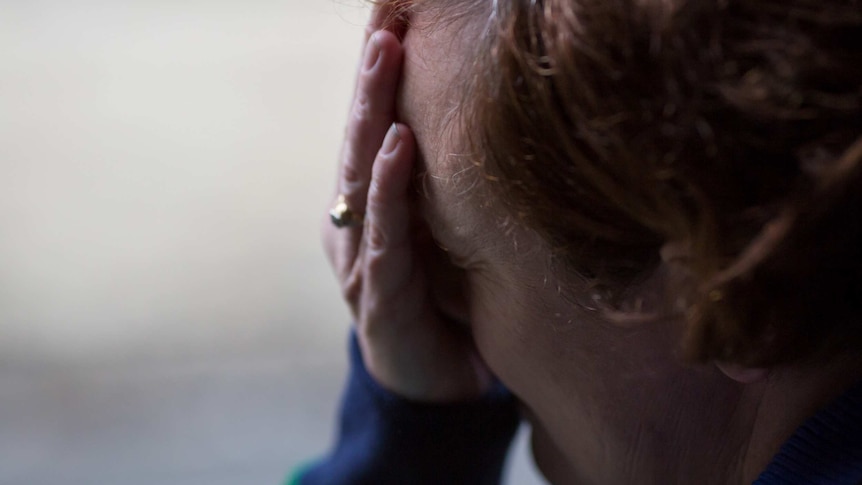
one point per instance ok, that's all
(384, 16)
(388, 243)
(371, 114)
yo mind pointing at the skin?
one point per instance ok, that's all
(608, 404)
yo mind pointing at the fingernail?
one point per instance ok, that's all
(372, 52)
(392, 140)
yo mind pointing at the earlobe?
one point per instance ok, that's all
(742, 374)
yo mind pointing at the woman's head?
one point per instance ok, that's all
(591, 162)
(725, 132)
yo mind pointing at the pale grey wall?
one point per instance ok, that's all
(163, 169)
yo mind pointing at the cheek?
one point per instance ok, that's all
(503, 334)
(549, 355)
(526, 352)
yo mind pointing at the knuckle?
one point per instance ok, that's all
(376, 195)
(351, 288)
(377, 264)
(363, 108)
(349, 173)
(376, 240)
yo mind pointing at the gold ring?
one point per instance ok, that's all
(342, 216)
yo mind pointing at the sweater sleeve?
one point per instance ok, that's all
(385, 439)
(825, 450)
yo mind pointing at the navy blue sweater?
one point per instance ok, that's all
(384, 439)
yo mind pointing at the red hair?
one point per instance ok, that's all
(728, 129)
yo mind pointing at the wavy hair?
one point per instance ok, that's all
(720, 139)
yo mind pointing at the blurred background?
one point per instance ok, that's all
(166, 313)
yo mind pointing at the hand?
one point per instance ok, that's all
(408, 344)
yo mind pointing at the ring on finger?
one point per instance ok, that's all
(342, 216)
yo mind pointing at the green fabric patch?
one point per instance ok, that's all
(295, 477)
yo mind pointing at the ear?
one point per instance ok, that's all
(742, 374)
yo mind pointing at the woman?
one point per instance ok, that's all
(642, 217)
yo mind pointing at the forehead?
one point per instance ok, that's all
(437, 53)
(436, 57)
